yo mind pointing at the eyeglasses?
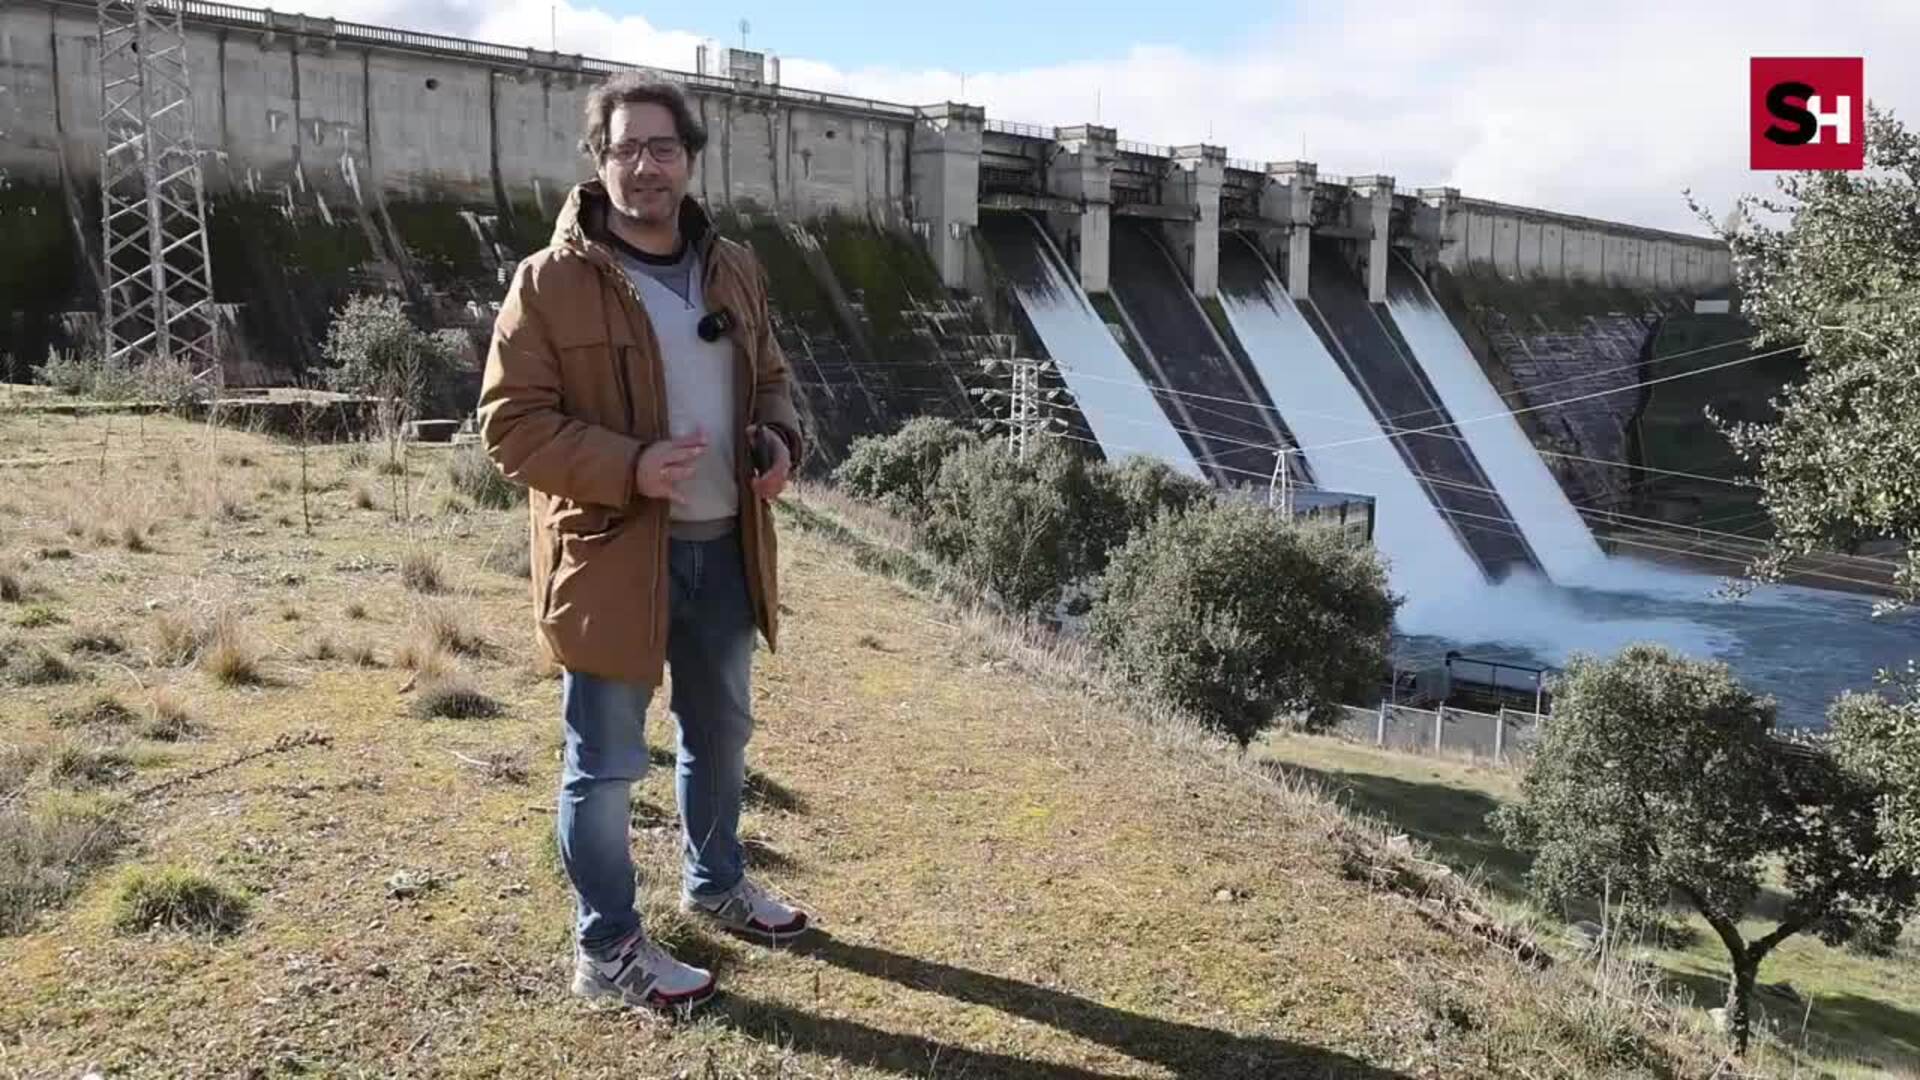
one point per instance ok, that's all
(665, 149)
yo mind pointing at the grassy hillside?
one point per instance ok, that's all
(268, 859)
(1861, 1008)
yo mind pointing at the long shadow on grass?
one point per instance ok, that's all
(762, 791)
(1449, 820)
(1186, 1050)
(1840, 1026)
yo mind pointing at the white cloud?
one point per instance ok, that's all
(1608, 110)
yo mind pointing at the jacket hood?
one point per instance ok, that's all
(582, 222)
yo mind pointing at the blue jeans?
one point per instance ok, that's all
(709, 656)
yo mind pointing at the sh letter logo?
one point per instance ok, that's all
(1809, 113)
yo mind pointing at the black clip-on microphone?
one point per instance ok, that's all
(714, 324)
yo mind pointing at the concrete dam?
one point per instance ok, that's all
(1457, 378)
(1197, 307)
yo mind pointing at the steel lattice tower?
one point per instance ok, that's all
(157, 299)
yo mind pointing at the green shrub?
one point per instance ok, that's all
(1148, 487)
(898, 469)
(373, 348)
(1003, 524)
(78, 375)
(171, 898)
(1233, 615)
(474, 475)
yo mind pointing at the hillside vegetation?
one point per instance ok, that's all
(278, 803)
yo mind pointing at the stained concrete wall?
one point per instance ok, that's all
(1519, 242)
(307, 122)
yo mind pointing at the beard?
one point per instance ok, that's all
(651, 206)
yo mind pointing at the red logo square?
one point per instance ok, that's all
(1809, 112)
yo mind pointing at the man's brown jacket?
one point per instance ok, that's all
(574, 389)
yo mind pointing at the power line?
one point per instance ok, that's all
(1510, 528)
(1575, 399)
(1439, 431)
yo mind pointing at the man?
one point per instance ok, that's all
(635, 387)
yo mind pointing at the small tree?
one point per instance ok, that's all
(1239, 616)
(1659, 777)
(373, 349)
(1831, 264)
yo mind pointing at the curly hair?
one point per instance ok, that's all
(633, 88)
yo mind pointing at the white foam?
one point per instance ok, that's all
(1125, 416)
(1559, 538)
(1425, 560)
(1445, 594)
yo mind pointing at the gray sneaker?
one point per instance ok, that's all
(641, 973)
(748, 909)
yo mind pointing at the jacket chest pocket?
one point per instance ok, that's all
(597, 382)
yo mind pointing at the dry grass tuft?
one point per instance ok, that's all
(361, 654)
(510, 556)
(34, 664)
(421, 571)
(48, 852)
(447, 630)
(362, 498)
(452, 698)
(18, 763)
(171, 898)
(103, 710)
(322, 650)
(231, 657)
(134, 539)
(36, 616)
(81, 767)
(13, 587)
(177, 639)
(356, 610)
(96, 640)
(167, 718)
(424, 657)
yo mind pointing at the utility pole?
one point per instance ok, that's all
(156, 298)
(1030, 415)
(1280, 488)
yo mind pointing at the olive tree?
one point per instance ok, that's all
(1659, 779)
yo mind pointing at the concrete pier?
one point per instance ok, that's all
(1083, 172)
(1379, 222)
(1199, 170)
(1289, 199)
(945, 189)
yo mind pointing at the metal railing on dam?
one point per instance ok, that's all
(1011, 127)
(338, 32)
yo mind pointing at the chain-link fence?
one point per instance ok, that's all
(1503, 736)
